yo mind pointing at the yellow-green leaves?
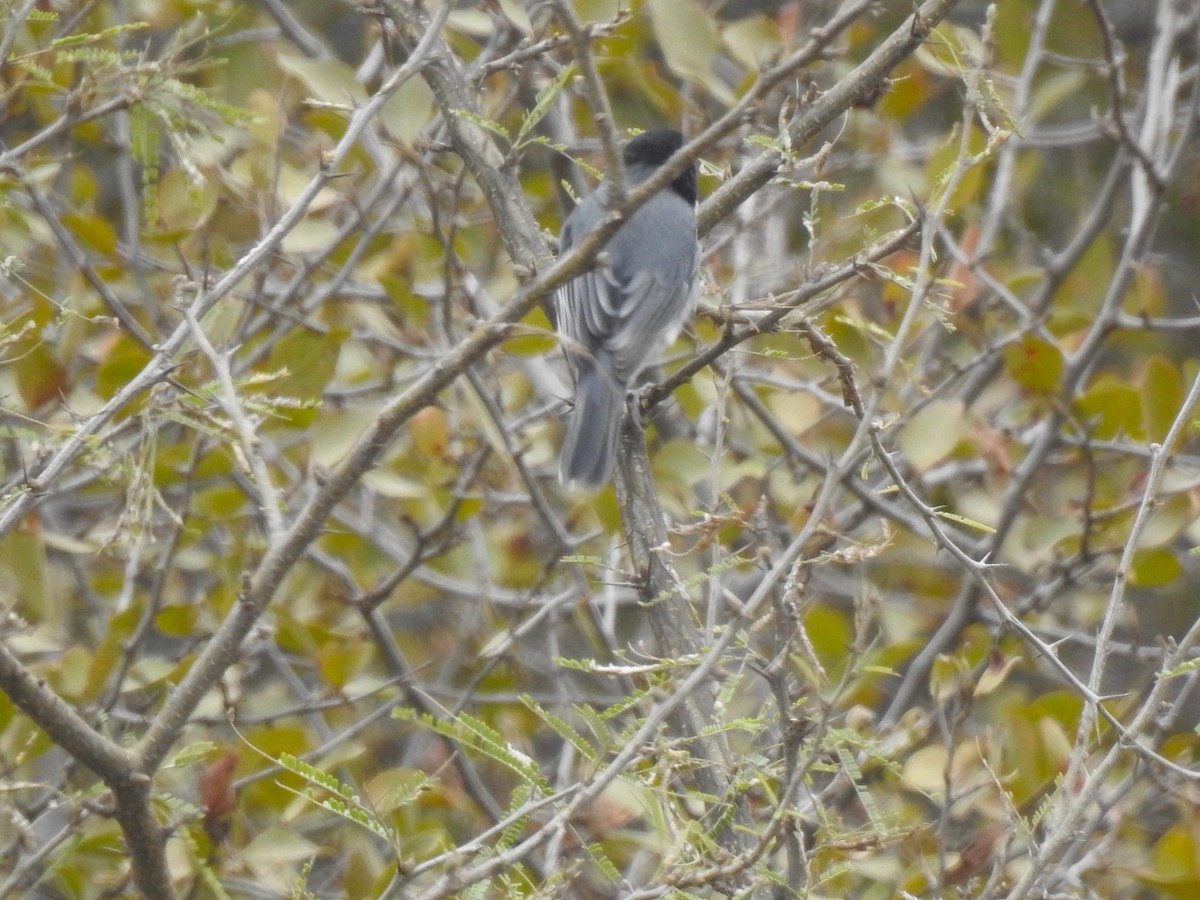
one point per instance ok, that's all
(688, 38)
(932, 433)
(1034, 363)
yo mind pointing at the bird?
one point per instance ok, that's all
(617, 318)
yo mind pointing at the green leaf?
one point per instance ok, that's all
(93, 231)
(275, 845)
(177, 620)
(964, 521)
(123, 360)
(1035, 364)
(192, 753)
(932, 433)
(1111, 407)
(143, 143)
(1182, 669)
(1162, 396)
(474, 732)
(400, 787)
(946, 677)
(1154, 567)
(340, 799)
(753, 40)
(530, 342)
(560, 726)
(330, 80)
(541, 106)
(305, 361)
(483, 122)
(687, 36)
(89, 37)
(407, 112)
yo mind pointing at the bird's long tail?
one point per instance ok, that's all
(590, 447)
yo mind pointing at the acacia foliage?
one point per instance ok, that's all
(894, 594)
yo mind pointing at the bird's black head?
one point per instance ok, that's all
(651, 149)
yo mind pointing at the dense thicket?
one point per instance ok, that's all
(893, 594)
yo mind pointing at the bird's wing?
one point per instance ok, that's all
(585, 316)
(580, 301)
(651, 282)
(656, 308)
(627, 309)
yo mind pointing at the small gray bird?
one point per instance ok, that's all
(618, 318)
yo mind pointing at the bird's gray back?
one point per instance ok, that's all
(633, 303)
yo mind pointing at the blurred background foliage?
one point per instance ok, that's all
(886, 730)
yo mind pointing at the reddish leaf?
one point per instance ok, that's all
(217, 796)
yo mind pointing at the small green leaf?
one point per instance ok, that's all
(688, 39)
(177, 620)
(963, 520)
(1182, 669)
(932, 433)
(192, 753)
(946, 677)
(541, 106)
(1154, 567)
(482, 122)
(1162, 396)
(92, 231)
(329, 80)
(1034, 363)
(1111, 407)
(530, 342)
(753, 40)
